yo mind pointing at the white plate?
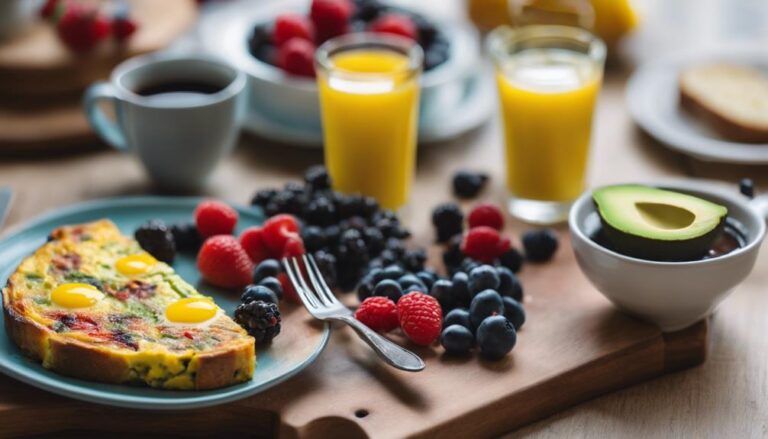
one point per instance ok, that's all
(653, 100)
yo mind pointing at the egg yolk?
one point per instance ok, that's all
(191, 310)
(135, 264)
(76, 295)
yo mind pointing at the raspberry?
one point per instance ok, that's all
(297, 57)
(50, 8)
(82, 29)
(288, 291)
(278, 230)
(215, 218)
(223, 262)
(378, 313)
(289, 26)
(330, 17)
(123, 28)
(395, 24)
(486, 214)
(504, 245)
(421, 317)
(252, 240)
(294, 247)
(481, 243)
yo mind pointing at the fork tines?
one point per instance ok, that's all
(317, 296)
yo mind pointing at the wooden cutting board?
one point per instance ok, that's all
(41, 81)
(573, 347)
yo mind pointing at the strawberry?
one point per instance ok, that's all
(223, 262)
(289, 26)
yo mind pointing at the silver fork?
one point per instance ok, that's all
(322, 304)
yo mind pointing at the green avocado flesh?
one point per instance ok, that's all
(656, 224)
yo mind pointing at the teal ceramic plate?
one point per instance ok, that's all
(298, 345)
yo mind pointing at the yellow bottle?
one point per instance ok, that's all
(369, 104)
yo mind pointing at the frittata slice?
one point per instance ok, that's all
(92, 304)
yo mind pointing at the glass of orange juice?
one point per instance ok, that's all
(548, 79)
(369, 101)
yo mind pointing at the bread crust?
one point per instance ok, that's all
(214, 369)
(726, 127)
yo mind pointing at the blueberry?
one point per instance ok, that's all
(441, 290)
(317, 178)
(467, 184)
(408, 280)
(313, 237)
(258, 292)
(273, 284)
(514, 312)
(512, 259)
(448, 221)
(460, 290)
(393, 272)
(458, 316)
(468, 264)
(540, 245)
(483, 277)
(427, 278)
(413, 289)
(486, 303)
(747, 187)
(457, 340)
(365, 287)
(509, 284)
(496, 337)
(266, 268)
(388, 288)
(376, 274)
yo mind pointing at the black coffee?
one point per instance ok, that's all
(186, 87)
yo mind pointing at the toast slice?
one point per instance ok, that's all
(90, 303)
(731, 98)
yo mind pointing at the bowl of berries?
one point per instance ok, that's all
(275, 45)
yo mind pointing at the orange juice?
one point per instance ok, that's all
(369, 105)
(547, 98)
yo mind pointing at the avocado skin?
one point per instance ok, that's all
(660, 250)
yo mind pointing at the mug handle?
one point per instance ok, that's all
(108, 130)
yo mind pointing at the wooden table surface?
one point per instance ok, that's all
(725, 397)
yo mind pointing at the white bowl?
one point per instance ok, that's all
(293, 100)
(672, 295)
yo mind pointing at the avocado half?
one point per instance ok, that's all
(655, 224)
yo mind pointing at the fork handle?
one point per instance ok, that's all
(390, 352)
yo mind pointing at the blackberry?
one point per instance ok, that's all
(263, 197)
(374, 239)
(266, 268)
(287, 202)
(457, 340)
(352, 241)
(368, 10)
(326, 263)
(320, 211)
(453, 256)
(260, 319)
(157, 240)
(332, 234)
(414, 260)
(294, 187)
(313, 237)
(317, 178)
(512, 259)
(369, 207)
(540, 245)
(448, 221)
(427, 30)
(258, 292)
(349, 205)
(388, 257)
(496, 336)
(467, 184)
(395, 246)
(186, 237)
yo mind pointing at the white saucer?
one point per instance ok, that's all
(653, 99)
(473, 111)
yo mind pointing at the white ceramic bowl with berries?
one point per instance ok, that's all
(292, 100)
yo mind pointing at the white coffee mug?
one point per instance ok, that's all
(179, 135)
